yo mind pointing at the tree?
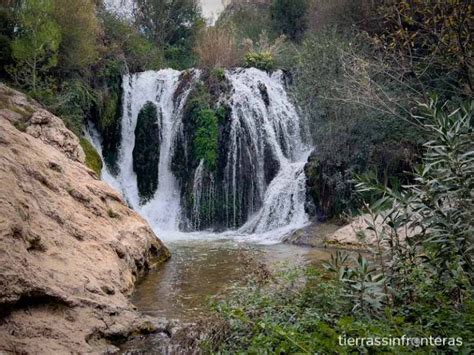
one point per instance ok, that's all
(289, 17)
(167, 21)
(35, 49)
(430, 41)
(79, 33)
(172, 25)
(7, 26)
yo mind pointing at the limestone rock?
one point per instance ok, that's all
(29, 116)
(70, 248)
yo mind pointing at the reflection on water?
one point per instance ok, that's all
(180, 288)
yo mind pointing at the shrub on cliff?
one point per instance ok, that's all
(262, 61)
(262, 54)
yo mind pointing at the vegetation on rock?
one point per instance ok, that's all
(146, 152)
(204, 121)
(262, 61)
(74, 65)
(93, 159)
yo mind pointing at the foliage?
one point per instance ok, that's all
(172, 25)
(146, 151)
(79, 47)
(261, 54)
(216, 48)
(205, 127)
(36, 45)
(289, 18)
(127, 47)
(74, 100)
(206, 138)
(262, 60)
(289, 315)
(93, 160)
(429, 224)
(352, 134)
(430, 41)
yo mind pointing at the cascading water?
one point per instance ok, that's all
(256, 190)
(262, 110)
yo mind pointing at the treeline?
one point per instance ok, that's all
(70, 55)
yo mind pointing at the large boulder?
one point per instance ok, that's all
(70, 248)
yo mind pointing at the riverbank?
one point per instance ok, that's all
(352, 235)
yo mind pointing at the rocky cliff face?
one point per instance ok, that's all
(70, 248)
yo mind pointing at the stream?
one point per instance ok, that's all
(199, 269)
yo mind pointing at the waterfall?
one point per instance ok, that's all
(257, 189)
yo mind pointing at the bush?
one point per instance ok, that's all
(203, 126)
(216, 48)
(357, 117)
(206, 138)
(305, 311)
(262, 61)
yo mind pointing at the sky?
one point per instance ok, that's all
(210, 8)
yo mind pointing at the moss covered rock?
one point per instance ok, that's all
(93, 160)
(146, 152)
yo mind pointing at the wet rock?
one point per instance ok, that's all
(271, 164)
(264, 92)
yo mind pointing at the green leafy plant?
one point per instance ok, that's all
(428, 224)
(206, 138)
(262, 61)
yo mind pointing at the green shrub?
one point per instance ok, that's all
(93, 160)
(262, 61)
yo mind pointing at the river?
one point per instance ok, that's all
(199, 269)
